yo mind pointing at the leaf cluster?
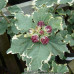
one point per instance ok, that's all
(59, 14)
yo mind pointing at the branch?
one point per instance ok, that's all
(5, 17)
(55, 7)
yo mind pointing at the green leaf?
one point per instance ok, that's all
(65, 1)
(19, 45)
(45, 67)
(56, 23)
(56, 68)
(61, 12)
(38, 53)
(72, 35)
(57, 47)
(9, 31)
(70, 28)
(62, 34)
(14, 9)
(41, 15)
(39, 3)
(50, 62)
(28, 60)
(3, 26)
(69, 39)
(71, 17)
(14, 29)
(3, 3)
(24, 22)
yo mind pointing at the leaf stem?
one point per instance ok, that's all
(8, 10)
(5, 17)
(55, 7)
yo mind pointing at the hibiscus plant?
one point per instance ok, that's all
(39, 37)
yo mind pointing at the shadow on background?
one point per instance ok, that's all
(13, 2)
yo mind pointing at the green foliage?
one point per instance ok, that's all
(3, 3)
(45, 67)
(23, 22)
(36, 51)
(59, 68)
(47, 2)
(28, 60)
(56, 23)
(65, 1)
(18, 42)
(42, 15)
(48, 18)
(3, 26)
(50, 3)
(14, 9)
(69, 39)
(39, 56)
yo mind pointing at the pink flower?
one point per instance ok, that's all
(41, 32)
(40, 23)
(44, 40)
(48, 29)
(35, 38)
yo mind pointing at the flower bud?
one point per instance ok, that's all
(41, 32)
(37, 29)
(48, 29)
(35, 38)
(31, 31)
(44, 40)
(40, 23)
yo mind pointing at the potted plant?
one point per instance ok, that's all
(39, 37)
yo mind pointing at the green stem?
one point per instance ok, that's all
(55, 8)
(5, 17)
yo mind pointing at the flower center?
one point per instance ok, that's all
(40, 34)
